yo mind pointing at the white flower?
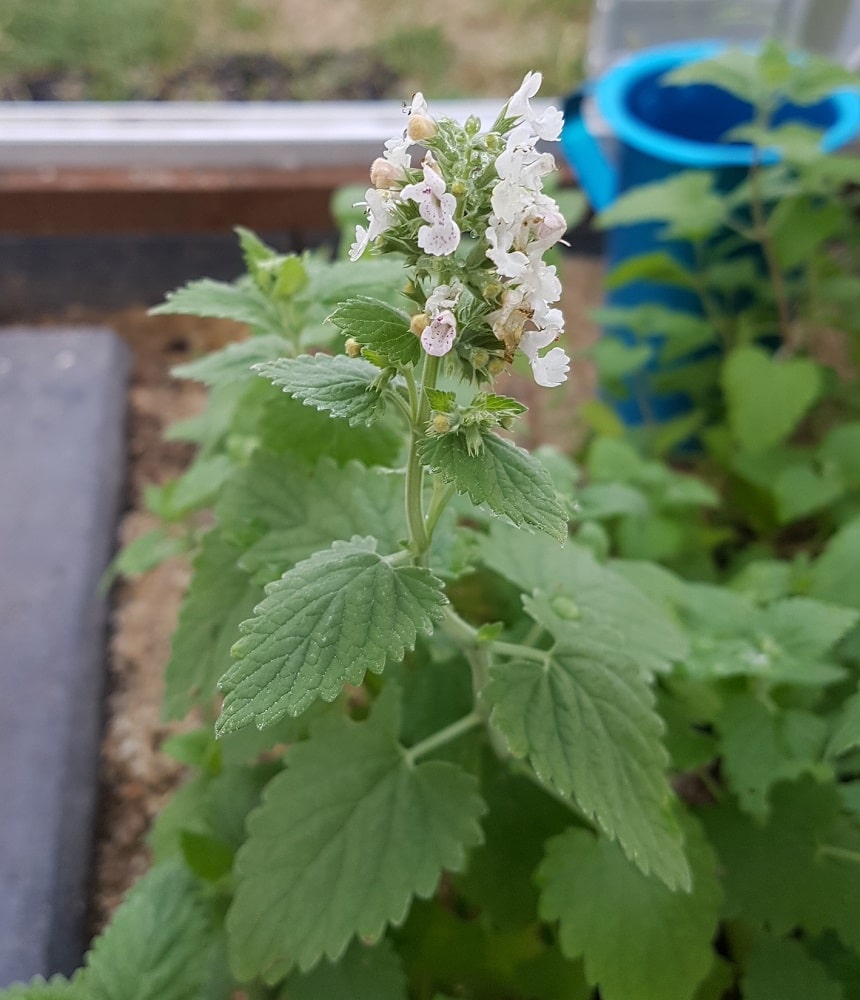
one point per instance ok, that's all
(551, 370)
(436, 206)
(509, 263)
(397, 152)
(380, 216)
(439, 334)
(545, 126)
(444, 297)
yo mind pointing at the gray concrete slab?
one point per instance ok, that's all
(62, 464)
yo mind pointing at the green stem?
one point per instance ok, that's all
(446, 735)
(517, 651)
(442, 493)
(419, 540)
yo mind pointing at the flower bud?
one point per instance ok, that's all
(444, 423)
(458, 189)
(551, 226)
(419, 323)
(352, 347)
(385, 174)
(495, 367)
(480, 358)
(472, 125)
(421, 127)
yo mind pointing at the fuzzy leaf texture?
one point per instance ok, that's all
(324, 624)
(510, 481)
(379, 327)
(291, 510)
(344, 839)
(637, 937)
(777, 969)
(341, 386)
(585, 720)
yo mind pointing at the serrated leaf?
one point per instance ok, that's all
(157, 945)
(241, 301)
(600, 593)
(234, 362)
(657, 266)
(340, 385)
(799, 869)
(56, 988)
(841, 448)
(287, 425)
(801, 490)
(767, 397)
(584, 718)
(361, 974)
(761, 747)
(346, 836)
(292, 510)
(510, 481)
(324, 624)
(637, 938)
(777, 969)
(380, 327)
(220, 596)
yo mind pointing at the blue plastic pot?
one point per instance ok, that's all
(661, 130)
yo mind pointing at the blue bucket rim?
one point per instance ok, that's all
(611, 90)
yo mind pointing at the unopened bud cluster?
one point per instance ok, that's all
(473, 223)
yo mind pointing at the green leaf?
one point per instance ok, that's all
(834, 575)
(734, 70)
(846, 735)
(344, 839)
(797, 870)
(147, 551)
(234, 362)
(361, 974)
(761, 747)
(510, 481)
(340, 385)
(602, 595)
(286, 511)
(325, 623)
(685, 201)
(379, 327)
(656, 265)
(241, 301)
(841, 448)
(801, 490)
(157, 945)
(767, 397)
(616, 360)
(206, 856)
(637, 937)
(220, 597)
(784, 970)
(57, 988)
(287, 425)
(584, 718)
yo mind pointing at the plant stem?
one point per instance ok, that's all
(840, 853)
(443, 736)
(419, 540)
(763, 235)
(516, 650)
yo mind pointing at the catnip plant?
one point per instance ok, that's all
(475, 722)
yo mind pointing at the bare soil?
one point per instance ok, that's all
(137, 778)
